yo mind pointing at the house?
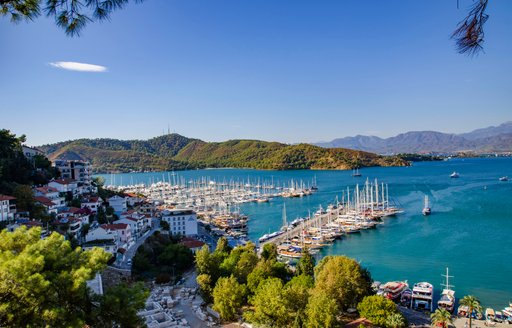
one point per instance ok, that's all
(51, 193)
(118, 203)
(74, 226)
(106, 239)
(7, 208)
(92, 203)
(138, 224)
(133, 199)
(123, 230)
(181, 221)
(48, 204)
(65, 185)
(193, 244)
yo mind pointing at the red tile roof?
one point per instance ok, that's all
(46, 189)
(5, 197)
(191, 243)
(64, 181)
(115, 226)
(45, 201)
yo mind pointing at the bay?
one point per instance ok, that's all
(469, 230)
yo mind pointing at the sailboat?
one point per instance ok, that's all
(356, 173)
(426, 208)
(447, 300)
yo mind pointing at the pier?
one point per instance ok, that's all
(316, 221)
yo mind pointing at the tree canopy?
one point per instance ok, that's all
(378, 310)
(70, 15)
(44, 280)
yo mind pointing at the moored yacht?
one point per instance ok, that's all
(447, 300)
(422, 296)
(393, 290)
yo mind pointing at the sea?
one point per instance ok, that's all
(469, 231)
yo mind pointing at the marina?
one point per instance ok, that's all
(466, 232)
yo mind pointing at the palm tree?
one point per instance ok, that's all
(473, 304)
(441, 318)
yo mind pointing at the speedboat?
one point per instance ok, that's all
(505, 178)
(489, 314)
(454, 175)
(423, 296)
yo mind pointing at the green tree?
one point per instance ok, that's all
(343, 279)
(322, 310)
(119, 305)
(306, 264)
(165, 226)
(473, 304)
(228, 297)
(204, 281)
(441, 317)
(223, 246)
(25, 201)
(70, 15)
(269, 251)
(396, 320)
(297, 293)
(377, 309)
(270, 306)
(44, 280)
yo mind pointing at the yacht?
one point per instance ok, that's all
(393, 290)
(426, 208)
(356, 173)
(447, 300)
(505, 178)
(454, 175)
(422, 296)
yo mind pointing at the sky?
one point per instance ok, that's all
(288, 70)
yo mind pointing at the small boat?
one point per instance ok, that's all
(423, 296)
(447, 300)
(489, 314)
(405, 299)
(356, 173)
(454, 175)
(426, 208)
(498, 316)
(505, 178)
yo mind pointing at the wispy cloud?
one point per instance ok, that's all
(79, 67)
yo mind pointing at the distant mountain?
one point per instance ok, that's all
(491, 131)
(491, 139)
(174, 151)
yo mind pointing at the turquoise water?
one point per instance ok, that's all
(469, 230)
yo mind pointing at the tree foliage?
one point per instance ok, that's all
(119, 305)
(469, 34)
(322, 310)
(70, 15)
(44, 280)
(228, 297)
(441, 317)
(270, 305)
(377, 309)
(473, 304)
(343, 280)
(306, 264)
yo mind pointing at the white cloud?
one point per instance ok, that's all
(80, 67)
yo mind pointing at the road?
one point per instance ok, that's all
(130, 252)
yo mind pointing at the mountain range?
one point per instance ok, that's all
(174, 151)
(486, 140)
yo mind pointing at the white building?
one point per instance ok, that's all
(123, 230)
(80, 171)
(118, 203)
(181, 221)
(7, 208)
(52, 194)
(64, 185)
(48, 204)
(92, 203)
(106, 239)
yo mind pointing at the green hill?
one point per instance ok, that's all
(174, 151)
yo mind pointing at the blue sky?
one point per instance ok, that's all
(287, 70)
